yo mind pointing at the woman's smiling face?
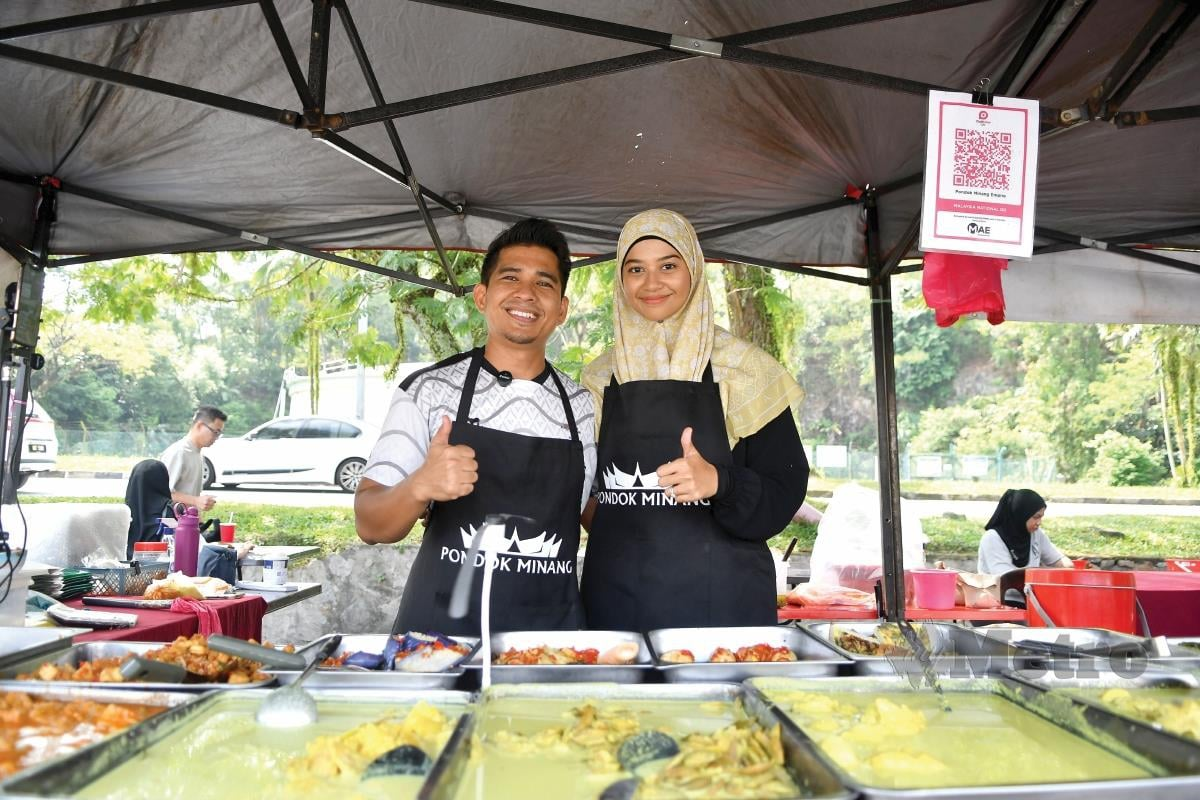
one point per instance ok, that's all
(656, 279)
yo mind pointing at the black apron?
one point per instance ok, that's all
(534, 584)
(652, 563)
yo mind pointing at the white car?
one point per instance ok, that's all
(293, 450)
(39, 444)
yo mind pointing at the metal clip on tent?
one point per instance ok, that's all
(980, 94)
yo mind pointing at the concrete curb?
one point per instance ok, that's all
(1130, 501)
(822, 494)
(79, 474)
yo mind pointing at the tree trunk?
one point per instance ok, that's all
(1166, 424)
(435, 334)
(749, 316)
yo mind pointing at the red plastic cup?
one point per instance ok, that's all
(227, 529)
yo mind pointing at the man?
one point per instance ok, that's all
(494, 430)
(184, 462)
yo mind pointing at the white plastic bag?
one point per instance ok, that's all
(848, 551)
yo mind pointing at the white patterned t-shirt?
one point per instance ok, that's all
(529, 408)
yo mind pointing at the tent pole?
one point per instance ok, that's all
(883, 346)
(284, 45)
(1132, 252)
(114, 16)
(1162, 45)
(1155, 238)
(364, 63)
(318, 56)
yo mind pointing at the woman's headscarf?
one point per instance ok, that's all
(148, 495)
(1015, 508)
(754, 387)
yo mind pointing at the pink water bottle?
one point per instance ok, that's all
(187, 542)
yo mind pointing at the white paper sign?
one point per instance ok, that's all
(980, 176)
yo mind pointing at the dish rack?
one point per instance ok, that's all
(128, 580)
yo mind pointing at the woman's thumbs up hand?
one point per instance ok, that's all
(690, 477)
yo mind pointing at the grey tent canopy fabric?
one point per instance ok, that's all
(791, 135)
(779, 127)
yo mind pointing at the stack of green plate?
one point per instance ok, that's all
(64, 584)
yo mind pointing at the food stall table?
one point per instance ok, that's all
(790, 612)
(1171, 601)
(240, 617)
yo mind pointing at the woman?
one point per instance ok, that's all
(148, 495)
(699, 460)
(1014, 537)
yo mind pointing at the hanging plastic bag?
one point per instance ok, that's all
(954, 285)
(848, 551)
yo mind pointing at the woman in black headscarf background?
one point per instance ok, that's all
(148, 495)
(1014, 537)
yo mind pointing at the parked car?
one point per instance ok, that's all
(293, 450)
(39, 444)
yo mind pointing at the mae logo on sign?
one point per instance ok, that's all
(975, 229)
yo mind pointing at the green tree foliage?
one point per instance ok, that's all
(1177, 350)
(1124, 461)
(1064, 361)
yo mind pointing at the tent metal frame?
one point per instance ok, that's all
(1046, 34)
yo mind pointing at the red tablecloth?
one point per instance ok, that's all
(1171, 601)
(916, 614)
(240, 617)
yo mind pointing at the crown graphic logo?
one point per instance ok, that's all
(540, 546)
(616, 479)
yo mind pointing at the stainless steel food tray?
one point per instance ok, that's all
(1138, 676)
(71, 773)
(806, 768)
(956, 651)
(814, 657)
(1178, 762)
(554, 673)
(68, 693)
(1129, 649)
(18, 645)
(1181, 656)
(89, 651)
(349, 678)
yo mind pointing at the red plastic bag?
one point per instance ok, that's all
(955, 284)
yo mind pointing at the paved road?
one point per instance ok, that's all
(328, 496)
(307, 496)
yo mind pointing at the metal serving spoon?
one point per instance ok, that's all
(290, 706)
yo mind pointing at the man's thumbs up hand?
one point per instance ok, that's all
(449, 471)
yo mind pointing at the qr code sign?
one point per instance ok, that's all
(982, 159)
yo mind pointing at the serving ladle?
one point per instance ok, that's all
(489, 538)
(289, 706)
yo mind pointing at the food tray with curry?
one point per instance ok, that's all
(98, 665)
(1000, 738)
(586, 741)
(879, 648)
(42, 723)
(1162, 698)
(370, 661)
(214, 749)
(553, 656)
(734, 654)
(1182, 652)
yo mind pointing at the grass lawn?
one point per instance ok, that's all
(332, 529)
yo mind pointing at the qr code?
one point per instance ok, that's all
(982, 159)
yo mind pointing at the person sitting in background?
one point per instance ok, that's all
(1014, 537)
(148, 495)
(184, 463)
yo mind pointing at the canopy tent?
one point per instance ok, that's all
(792, 135)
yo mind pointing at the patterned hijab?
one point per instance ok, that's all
(754, 387)
(1013, 511)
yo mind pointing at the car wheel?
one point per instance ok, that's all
(23, 478)
(208, 474)
(230, 485)
(349, 473)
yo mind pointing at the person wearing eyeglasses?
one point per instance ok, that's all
(185, 464)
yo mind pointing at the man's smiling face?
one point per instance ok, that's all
(523, 301)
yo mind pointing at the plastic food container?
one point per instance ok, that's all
(933, 588)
